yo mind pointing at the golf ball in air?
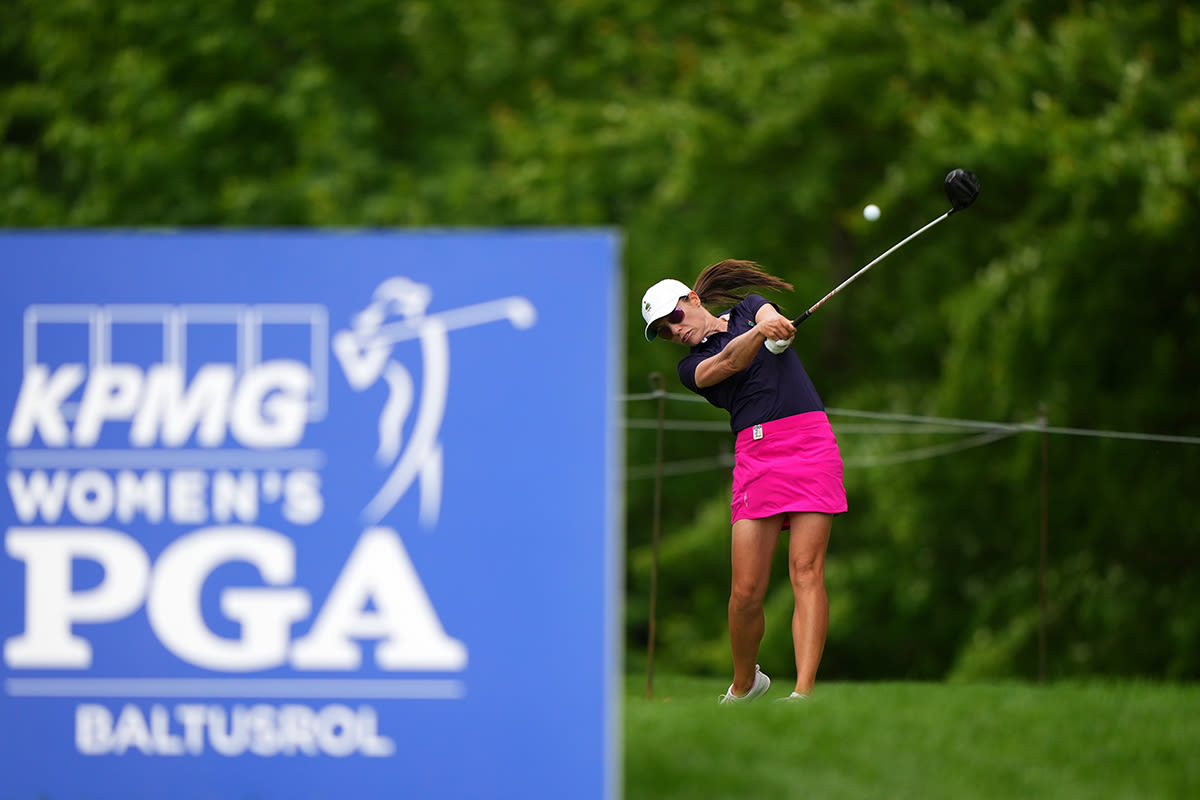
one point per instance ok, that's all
(871, 212)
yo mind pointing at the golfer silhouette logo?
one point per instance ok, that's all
(398, 312)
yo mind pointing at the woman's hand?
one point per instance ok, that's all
(778, 329)
(772, 324)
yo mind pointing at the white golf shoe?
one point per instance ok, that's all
(794, 697)
(761, 684)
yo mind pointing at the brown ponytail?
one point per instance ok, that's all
(727, 282)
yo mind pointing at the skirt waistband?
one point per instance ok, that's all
(781, 425)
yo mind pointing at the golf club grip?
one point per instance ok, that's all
(802, 317)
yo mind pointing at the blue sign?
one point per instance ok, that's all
(310, 515)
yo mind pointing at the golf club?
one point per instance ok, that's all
(962, 187)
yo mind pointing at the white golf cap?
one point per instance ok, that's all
(660, 300)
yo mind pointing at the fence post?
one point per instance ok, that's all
(1043, 421)
(658, 386)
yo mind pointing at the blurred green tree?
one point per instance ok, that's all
(755, 129)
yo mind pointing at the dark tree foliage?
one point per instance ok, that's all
(754, 130)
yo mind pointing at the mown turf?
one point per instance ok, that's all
(914, 740)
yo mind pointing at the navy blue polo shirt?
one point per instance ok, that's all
(770, 388)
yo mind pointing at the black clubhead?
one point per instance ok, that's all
(962, 188)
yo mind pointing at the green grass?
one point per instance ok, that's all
(914, 740)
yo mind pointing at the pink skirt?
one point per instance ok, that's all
(788, 465)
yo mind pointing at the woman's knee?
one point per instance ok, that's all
(806, 570)
(747, 596)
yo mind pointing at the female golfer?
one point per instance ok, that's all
(787, 468)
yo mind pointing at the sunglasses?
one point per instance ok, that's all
(674, 318)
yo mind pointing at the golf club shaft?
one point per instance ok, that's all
(855, 276)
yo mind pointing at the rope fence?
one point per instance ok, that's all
(975, 433)
(887, 424)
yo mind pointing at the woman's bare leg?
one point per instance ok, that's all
(754, 542)
(810, 619)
